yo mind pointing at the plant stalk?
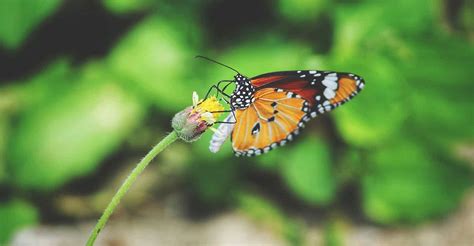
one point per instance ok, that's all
(170, 138)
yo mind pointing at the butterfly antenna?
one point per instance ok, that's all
(222, 64)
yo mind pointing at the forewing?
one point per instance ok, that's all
(323, 90)
(270, 121)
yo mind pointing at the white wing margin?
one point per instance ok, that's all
(221, 134)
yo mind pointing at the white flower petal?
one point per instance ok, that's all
(195, 99)
(208, 117)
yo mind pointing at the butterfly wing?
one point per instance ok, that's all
(271, 120)
(284, 101)
(323, 90)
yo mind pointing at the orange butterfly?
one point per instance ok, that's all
(268, 110)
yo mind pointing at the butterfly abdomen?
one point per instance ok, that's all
(221, 134)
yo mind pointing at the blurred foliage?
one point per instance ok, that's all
(213, 185)
(15, 215)
(406, 183)
(4, 130)
(307, 171)
(151, 57)
(86, 121)
(265, 212)
(20, 17)
(127, 6)
(302, 10)
(334, 232)
(394, 144)
(466, 18)
(380, 114)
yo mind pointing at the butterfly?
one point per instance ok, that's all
(270, 109)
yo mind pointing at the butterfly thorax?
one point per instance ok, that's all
(243, 93)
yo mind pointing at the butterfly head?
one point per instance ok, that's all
(242, 96)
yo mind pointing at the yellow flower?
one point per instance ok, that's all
(208, 109)
(193, 121)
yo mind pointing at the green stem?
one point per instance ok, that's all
(128, 183)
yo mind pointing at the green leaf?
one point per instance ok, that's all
(406, 183)
(19, 17)
(154, 59)
(69, 134)
(15, 215)
(307, 171)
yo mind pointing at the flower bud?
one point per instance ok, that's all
(193, 121)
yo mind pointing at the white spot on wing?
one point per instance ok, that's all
(329, 94)
(330, 83)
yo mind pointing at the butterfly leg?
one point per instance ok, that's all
(232, 110)
(229, 82)
(223, 93)
(216, 86)
(225, 122)
(209, 91)
(219, 90)
(225, 111)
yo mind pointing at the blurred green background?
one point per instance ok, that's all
(87, 87)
